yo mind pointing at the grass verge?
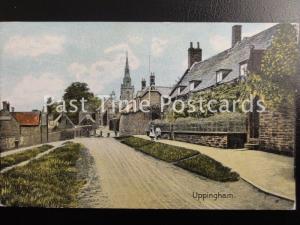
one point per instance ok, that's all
(208, 167)
(134, 141)
(188, 159)
(158, 150)
(16, 158)
(166, 152)
(50, 181)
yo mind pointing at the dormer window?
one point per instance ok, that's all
(243, 69)
(192, 85)
(178, 90)
(221, 74)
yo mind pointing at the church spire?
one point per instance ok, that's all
(127, 66)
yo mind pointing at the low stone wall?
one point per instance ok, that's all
(221, 134)
(60, 135)
(220, 140)
(134, 123)
(277, 131)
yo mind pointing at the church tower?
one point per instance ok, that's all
(127, 89)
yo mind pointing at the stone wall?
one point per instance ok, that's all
(277, 131)
(30, 135)
(60, 135)
(222, 134)
(154, 97)
(9, 131)
(7, 143)
(220, 140)
(134, 123)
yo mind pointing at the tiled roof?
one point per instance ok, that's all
(27, 118)
(228, 60)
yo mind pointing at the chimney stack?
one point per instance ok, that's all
(152, 79)
(12, 109)
(6, 106)
(143, 84)
(236, 34)
(194, 54)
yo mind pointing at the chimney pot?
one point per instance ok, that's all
(191, 44)
(194, 55)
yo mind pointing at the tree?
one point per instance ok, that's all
(77, 91)
(276, 83)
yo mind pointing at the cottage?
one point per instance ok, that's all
(269, 130)
(21, 128)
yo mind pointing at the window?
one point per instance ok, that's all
(178, 90)
(192, 85)
(219, 76)
(243, 69)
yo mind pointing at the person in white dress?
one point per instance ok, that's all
(158, 133)
(152, 133)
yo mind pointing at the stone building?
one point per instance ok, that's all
(271, 131)
(153, 93)
(133, 120)
(19, 129)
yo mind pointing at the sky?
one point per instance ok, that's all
(40, 59)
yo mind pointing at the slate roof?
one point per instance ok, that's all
(228, 60)
(161, 89)
(27, 118)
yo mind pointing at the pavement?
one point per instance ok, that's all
(126, 178)
(268, 172)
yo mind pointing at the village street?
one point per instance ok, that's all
(124, 178)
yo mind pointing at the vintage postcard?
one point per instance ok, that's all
(144, 115)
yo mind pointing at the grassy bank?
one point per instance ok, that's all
(208, 167)
(158, 150)
(167, 153)
(50, 181)
(22, 156)
(185, 158)
(134, 141)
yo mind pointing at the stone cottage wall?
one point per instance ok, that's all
(9, 132)
(134, 123)
(30, 135)
(277, 131)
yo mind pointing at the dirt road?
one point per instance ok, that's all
(125, 178)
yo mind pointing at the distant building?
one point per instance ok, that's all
(21, 128)
(153, 93)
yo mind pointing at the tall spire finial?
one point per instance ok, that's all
(127, 65)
